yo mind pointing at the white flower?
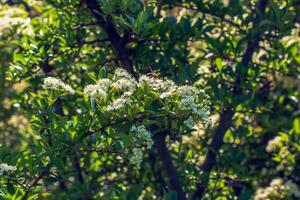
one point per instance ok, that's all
(12, 16)
(119, 103)
(123, 81)
(124, 84)
(276, 182)
(56, 84)
(189, 122)
(166, 95)
(104, 83)
(127, 94)
(4, 167)
(164, 87)
(276, 190)
(187, 91)
(122, 93)
(195, 100)
(202, 112)
(94, 91)
(121, 74)
(188, 96)
(136, 157)
(274, 144)
(35, 3)
(98, 90)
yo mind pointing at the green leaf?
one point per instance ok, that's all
(218, 62)
(296, 125)
(134, 192)
(171, 195)
(20, 58)
(139, 24)
(102, 73)
(92, 76)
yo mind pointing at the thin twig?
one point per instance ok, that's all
(38, 178)
(84, 25)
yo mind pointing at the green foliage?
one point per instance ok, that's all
(146, 99)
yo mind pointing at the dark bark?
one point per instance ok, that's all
(217, 141)
(156, 173)
(119, 43)
(166, 159)
(78, 170)
(46, 67)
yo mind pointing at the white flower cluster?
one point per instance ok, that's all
(122, 85)
(121, 93)
(286, 161)
(191, 98)
(275, 144)
(136, 157)
(4, 167)
(122, 81)
(142, 135)
(189, 95)
(165, 88)
(14, 16)
(279, 147)
(51, 83)
(195, 100)
(98, 90)
(277, 190)
(119, 103)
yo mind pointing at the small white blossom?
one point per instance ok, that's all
(202, 113)
(104, 83)
(276, 190)
(187, 91)
(119, 103)
(164, 87)
(127, 94)
(52, 83)
(98, 90)
(166, 95)
(4, 167)
(94, 90)
(136, 157)
(274, 144)
(11, 17)
(124, 84)
(195, 100)
(121, 74)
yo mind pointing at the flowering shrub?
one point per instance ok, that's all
(124, 98)
(278, 190)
